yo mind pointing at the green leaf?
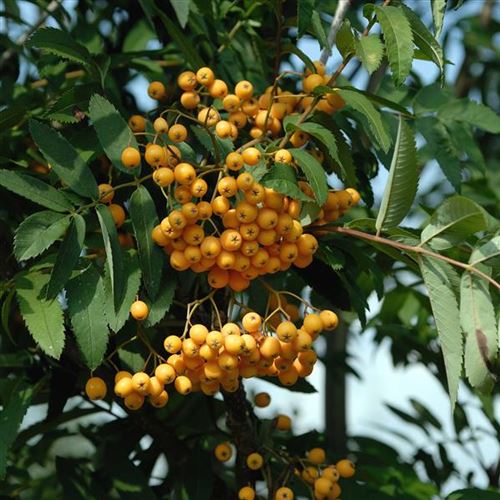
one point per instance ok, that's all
(486, 252)
(76, 98)
(117, 316)
(34, 190)
(477, 317)
(309, 212)
(474, 113)
(213, 144)
(67, 256)
(305, 9)
(290, 48)
(345, 41)
(112, 131)
(59, 43)
(456, 219)
(281, 178)
(64, 159)
(181, 8)
(114, 257)
(370, 51)
(314, 172)
(10, 117)
(43, 318)
(401, 186)
(144, 218)
(398, 41)
(86, 300)
(362, 105)
(424, 40)
(319, 32)
(438, 9)
(161, 305)
(38, 232)
(446, 315)
(323, 135)
(13, 410)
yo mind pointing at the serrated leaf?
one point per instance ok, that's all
(161, 305)
(64, 159)
(456, 219)
(402, 182)
(319, 31)
(474, 113)
(67, 256)
(446, 315)
(370, 51)
(281, 178)
(323, 135)
(423, 38)
(362, 105)
(114, 257)
(305, 9)
(34, 190)
(486, 252)
(314, 172)
(86, 299)
(344, 41)
(112, 131)
(309, 213)
(144, 218)
(117, 316)
(38, 232)
(477, 317)
(43, 318)
(213, 144)
(59, 43)
(76, 98)
(438, 9)
(181, 8)
(398, 40)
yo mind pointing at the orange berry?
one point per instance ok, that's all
(186, 80)
(137, 123)
(165, 373)
(329, 319)
(355, 196)
(156, 90)
(231, 240)
(117, 213)
(335, 100)
(217, 277)
(288, 252)
(311, 82)
(208, 116)
(190, 99)
(160, 400)
(302, 342)
(249, 248)
(95, 388)
(245, 181)
(244, 90)
(131, 157)
(193, 234)
(220, 205)
(163, 176)
(210, 247)
(139, 310)
(234, 161)
(284, 493)
(262, 399)
(270, 347)
(283, 423)
(231, 103)
(283, 156)
(267, 218)
(307, 244)
(345, 468)
(134, 401)
(246, 493)
(299, 138)
(140, 381)
(223, 129)
(154, 155)
(122, 374)
(227, 186)
(312, 324)
(182, 194)
(251, 156)
(184, 174)
(172, 344)
(251, 322)
(255, 194)
(331, 473)
(124, 387)
(204, 210)
(177, 133)
(223, 452)
(286, 331)
(183, 385)
(238, 119)
(106, 193)
(316, 456)
(218, 89)
(254, 461)
(229, 219)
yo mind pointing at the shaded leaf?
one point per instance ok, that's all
(305, 9)
(76, 98)
(345, 41)
(323, 135)
(161, 305)
(474, 113)
(281, 178)
(319, 31)
(290, 48)
(314, 172)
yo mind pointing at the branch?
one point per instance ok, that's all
(413, 249)
(338, 17)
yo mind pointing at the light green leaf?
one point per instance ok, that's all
(424, 40)
(370, 51)
(43, 318)
(477, 317)
(474, 113)
(323, 135)
(486, 252)
(362, 105)
(446, 315)
(64, 159)
(438, 10)
(319, 32)
(114, 257)
(34, 190)
(344, 40)
(398, 41)
(281, 178)
(305, 9)
(86, 299)
(38, 232)
(67, 256)
(117, 316)
(112, 131)
(59, 43)
(181, 8)
(161, 305)
(401, 186)
(456, 219)
(144, 218)
(314, 172)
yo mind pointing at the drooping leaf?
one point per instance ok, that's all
(86, 299)
(281, 178)
(67, 256)
(314, 172)
(398, 40)
(446, 315)
(38, 232)
(488, 252)
(64, 159)
(477, 317)
(144, 219)
(34, 190)
(181, 8)
(112, 131)
(323, 135)
(362, 105)
(161, 305)
(114, 257)
(344, 40)
(60, 43)
(438, 10)
(319, 31)
(370, 51)
(43, 318)
(474, 113)
(401, 186)
(305, 8)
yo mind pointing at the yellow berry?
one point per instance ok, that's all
(139, 310)
(255, 461)
(223, 452)
(95, 388)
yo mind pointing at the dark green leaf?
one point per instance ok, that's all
(474, 113)
(10, 117)
(74, 99)
(319, 32)
(314, 172)
(345, 41)
(282, 179)
(161, 305)
(290, 48)
(370, 51)
(323, 135)
(305, 9)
